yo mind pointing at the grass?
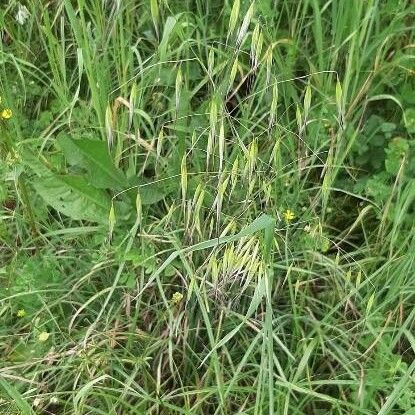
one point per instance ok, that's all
(207, 207)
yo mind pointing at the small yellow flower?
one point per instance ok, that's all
(6, 113)
(21, 313)
(44, 336)
(177, 297)
(288, 215)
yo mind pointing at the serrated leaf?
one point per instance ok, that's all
(74, 197)
(396, 153)
(95, 157)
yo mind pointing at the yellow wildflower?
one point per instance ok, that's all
(177, 297)
(288, 215)
(6, 113)
(43, 336)
(21, 313)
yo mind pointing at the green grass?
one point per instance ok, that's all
(153, 154)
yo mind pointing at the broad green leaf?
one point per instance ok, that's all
(34, 163)
(74, 197)
(95, 157)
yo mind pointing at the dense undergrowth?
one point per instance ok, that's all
(207, 207)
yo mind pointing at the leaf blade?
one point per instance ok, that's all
(93, 155)
(74, 197)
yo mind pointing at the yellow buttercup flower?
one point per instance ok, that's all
(6, 113)
(21, 313)
(44, 336)
(176, 297)
(288, 215)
